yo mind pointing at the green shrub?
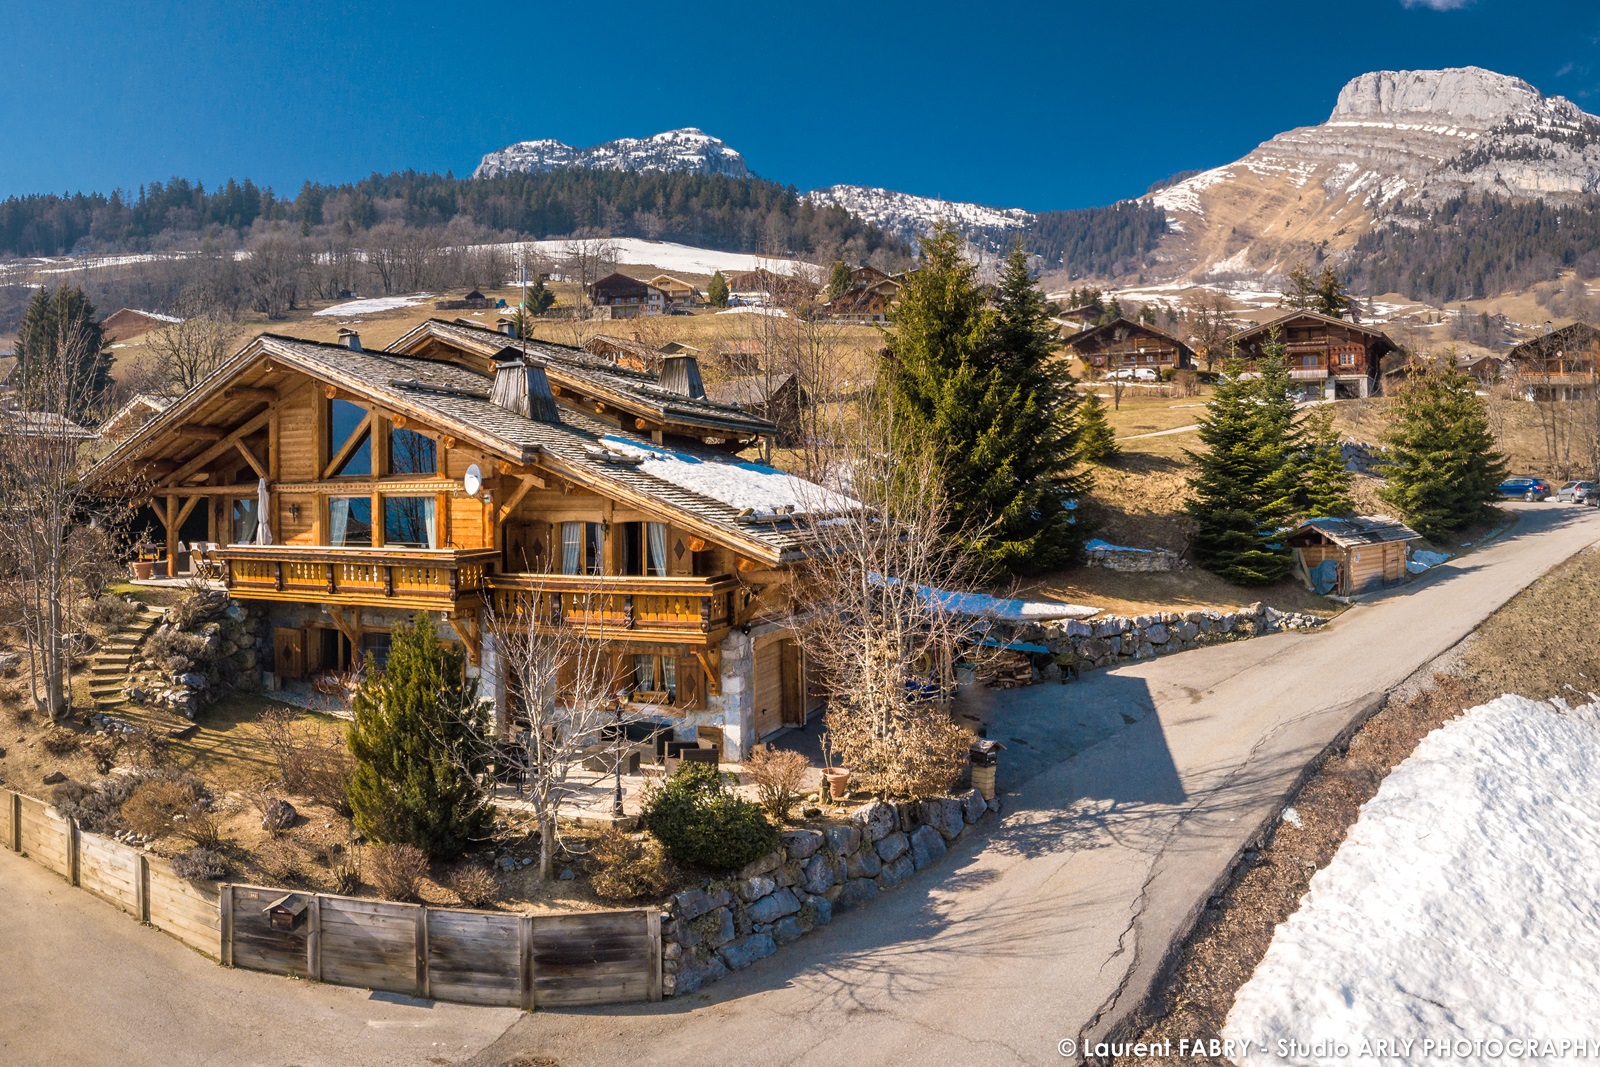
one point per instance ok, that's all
(699, 821)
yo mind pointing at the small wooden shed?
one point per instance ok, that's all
(1367, 552)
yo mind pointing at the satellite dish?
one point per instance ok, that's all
(472, 481)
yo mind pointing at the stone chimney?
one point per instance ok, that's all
(350, 339)
(681, 374)
(523, 387)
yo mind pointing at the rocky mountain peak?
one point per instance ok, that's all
(687, 150)
(1469, 97)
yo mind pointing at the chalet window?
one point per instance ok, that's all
(1347, 359)
(655, 678)
(408, 522)
(347, 422)
(375, 650)
(350, 521)
(644, 549)
(582, 548)
(411, 452)
(245, 521)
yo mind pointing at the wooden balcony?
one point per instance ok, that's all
(694, 611)
(425, 579)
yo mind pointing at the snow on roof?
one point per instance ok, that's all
(764, 492)
(1460, 904)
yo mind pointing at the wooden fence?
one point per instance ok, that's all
(471, 957)
(474, 957)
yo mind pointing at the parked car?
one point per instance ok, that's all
(1136, 374)
(1524, 489)
(1575, 492)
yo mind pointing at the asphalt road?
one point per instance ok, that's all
(1128, 795)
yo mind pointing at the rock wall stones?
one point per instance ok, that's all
(1132, 560)
(727, 925)
(204, 648)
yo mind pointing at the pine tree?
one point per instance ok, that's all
(1324, 480)
(1097, 442)
(1302, 290)
(838, 280)
(539, 298)
(59, 325)
(417, 740)
(1331, 298)
(1443, 466)
(1244, 486)
(717, 290)
(980, 386)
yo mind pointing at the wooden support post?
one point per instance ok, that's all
(141, 887)
(652, 928)
(225, 907)
(73, 841)
(274, 436)
(422, 951)
(172, 536)
(314, 939)
(525, 953)
(16, 822)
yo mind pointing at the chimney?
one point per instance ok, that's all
(508, 327)
(522, 387)
(680, 373)
(350, 339)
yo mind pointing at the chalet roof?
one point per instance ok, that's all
(1359, 530)
(751, 392)
(756, 508)
(1260, 331)
(637, 349)
(1578, 335)
(633, 390)
(154, 402)
(617, 282)
(1104, 332)
(41, 424)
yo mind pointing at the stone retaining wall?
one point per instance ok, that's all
(1132, 560)
(727, 925)
(1112, 639)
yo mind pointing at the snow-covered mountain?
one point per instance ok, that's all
(1393, 137)
(690, 150)
(909, 217)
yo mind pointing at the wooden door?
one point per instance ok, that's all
(289, 653)
(768, 688)
(794, 685)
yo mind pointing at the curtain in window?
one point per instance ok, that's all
(571, 548)
(657, 534)
(669, 676)
(644, 673)
(597, 555)
(338, 519)
(244, 522)
(429, 512)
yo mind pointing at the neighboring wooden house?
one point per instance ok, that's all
(742, 355)
(624, 352)
(1085, 316)
(128, 323)
(1563, 364)
(140, 409)
(1366, 553)
(339, 480)
(618, 296)
(779, 399)
(860, 304)
(763, 286)
(679, 293)
(1485, 369)
(472, 301)
(1124, 345)
(1327, 357)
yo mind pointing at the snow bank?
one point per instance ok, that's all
(755, 309)
(373, 305)
(636, 251)
(1464, 905)
(985, 606)
(766, 492)
(1422, 560)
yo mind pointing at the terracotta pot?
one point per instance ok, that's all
(838, 780)
(142, 569)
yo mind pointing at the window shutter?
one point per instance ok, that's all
(691, 683)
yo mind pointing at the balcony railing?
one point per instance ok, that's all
(1307, 374)
(622, 608)
(382, 577)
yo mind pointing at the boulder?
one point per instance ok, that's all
(742, 953)
(896, 872)
(693, 903)
(857, 891)
(278, 816)
(1157, 634)
(787, 929)
(54, 778)
(801, 844)
(717, 927)
(893, 846)
(927, 847)
(819, 910)
(765, 865)
(863, 864)
(757, 887)
(694, 972)
(823, 871)
(774, 906)
(844, 839)
(973, 806)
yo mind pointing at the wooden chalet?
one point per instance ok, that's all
(140, 409)
(127, 323)
(679, 293)
(861, 304)
(1563, 364)
(340, 485)
(1327, 357)
(780, 399)
(1124, 345)
(618, 296)
(1366, 553)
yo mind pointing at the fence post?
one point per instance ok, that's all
(73, 840)
(225, 905)
(525, 952)
(141, 885)
(652, 932)
(314, 940)
(422, 951)
(16, 822)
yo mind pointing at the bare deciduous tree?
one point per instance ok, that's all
(188, 351)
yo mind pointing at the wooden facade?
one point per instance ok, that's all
(1563, 364)
(1327, 357)
(336, 481)
(1368, 552)
(1125, 345)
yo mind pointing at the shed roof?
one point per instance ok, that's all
(1358, 530)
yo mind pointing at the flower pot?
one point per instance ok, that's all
(142, 569)
(838, 780)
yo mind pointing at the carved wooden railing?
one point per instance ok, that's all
(375, 576)
(620, 608)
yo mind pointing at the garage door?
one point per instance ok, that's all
(769, 688)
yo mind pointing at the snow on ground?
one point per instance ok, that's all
(985, 606)
(636, 251)
(754, 309)
(765, 491)
(1423, 560)
(373, 304)
(1463, 906)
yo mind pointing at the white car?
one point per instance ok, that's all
(1136, 374)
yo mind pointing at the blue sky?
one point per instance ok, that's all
(1039, 105)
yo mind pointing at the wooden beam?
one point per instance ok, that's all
(523, 485)
(185, 511)
(246, 392)
(200, 433)
(466, 628)
(349, 448)
(224, 445)
(746, 565)
(697, 544)
(250, 458)
(351, 627)
(711, 662)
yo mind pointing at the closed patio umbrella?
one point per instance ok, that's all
(263, 531)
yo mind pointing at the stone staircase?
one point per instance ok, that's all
(110, 666)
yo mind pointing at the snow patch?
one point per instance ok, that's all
(374, 304)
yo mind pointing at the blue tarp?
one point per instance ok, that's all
(1325, 576)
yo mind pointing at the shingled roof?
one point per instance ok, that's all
(1359, 530)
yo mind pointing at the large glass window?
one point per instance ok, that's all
(644, 549)
(350, 521)
(582, 548)
(344, 423)
(408, 522)
(245, 521)
(411, 452)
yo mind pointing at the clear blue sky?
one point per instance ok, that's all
(1041, 105)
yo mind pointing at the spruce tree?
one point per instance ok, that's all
(1324, 480)
(1443, 466)
(717, 290)
(417, 740)
(539, 298)
(838, 280)
(1302, 290)
(1331, 297)
(981, 387)
(1097, 442)
(63, 325)
(1244, 486)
